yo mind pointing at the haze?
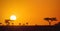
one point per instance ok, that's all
(31, 11)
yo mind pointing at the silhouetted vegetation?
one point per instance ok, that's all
(57, 24)
(12, 23)
(7, 22)
(27, 23)
(0, 23)
(19, 23)
(50, 19)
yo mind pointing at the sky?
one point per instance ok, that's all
(31, 11)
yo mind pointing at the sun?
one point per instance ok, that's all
(12, 17)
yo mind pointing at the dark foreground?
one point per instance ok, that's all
(29, 28)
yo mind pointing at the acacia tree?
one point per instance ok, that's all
(50, 19)
(47, 19)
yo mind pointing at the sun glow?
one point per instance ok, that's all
(13, 17)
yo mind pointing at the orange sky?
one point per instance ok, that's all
(31, 11)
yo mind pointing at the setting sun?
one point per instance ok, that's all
(13, 17)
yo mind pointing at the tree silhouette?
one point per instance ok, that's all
(27, 23)
(50, 19)
(47, 19)
(12, 24)
(19, 23)
(7, 22)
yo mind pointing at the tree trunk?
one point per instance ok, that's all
(49, 22)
